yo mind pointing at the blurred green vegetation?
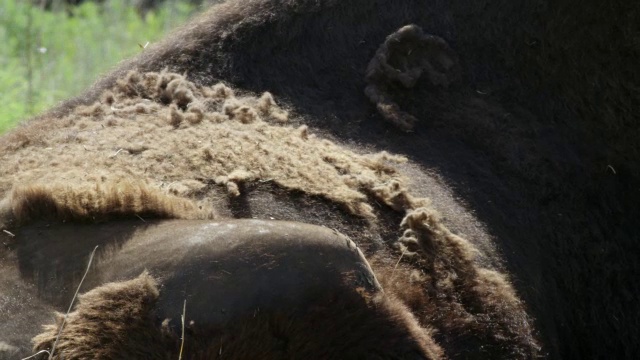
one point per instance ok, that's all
(47, 56)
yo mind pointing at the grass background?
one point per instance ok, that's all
(48, 56)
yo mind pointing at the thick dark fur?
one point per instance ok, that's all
(402, 59)
(539, 136)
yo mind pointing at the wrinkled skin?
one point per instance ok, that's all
(564, 224)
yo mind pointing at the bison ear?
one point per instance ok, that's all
(401, 60)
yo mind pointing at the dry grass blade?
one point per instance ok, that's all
(71, 304)
(184, 314)
(36, 354)
(397, 263)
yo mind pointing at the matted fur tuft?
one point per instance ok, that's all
(96, 202)
(439, 278)
(109, 322)
(401, 60)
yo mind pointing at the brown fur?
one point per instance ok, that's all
(93, 203)
(401, 60)
(327, 318)
(110, 322)
(539, 138)
(233, 141)
(476, 304)
(115, 321)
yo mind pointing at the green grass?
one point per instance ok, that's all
(47, 56)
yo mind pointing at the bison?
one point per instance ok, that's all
(392, 112)
(204, 154)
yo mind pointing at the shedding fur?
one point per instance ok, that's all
(192, 133)
(546, 105)
(402, 59)
(187, 142)
(474, 305)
